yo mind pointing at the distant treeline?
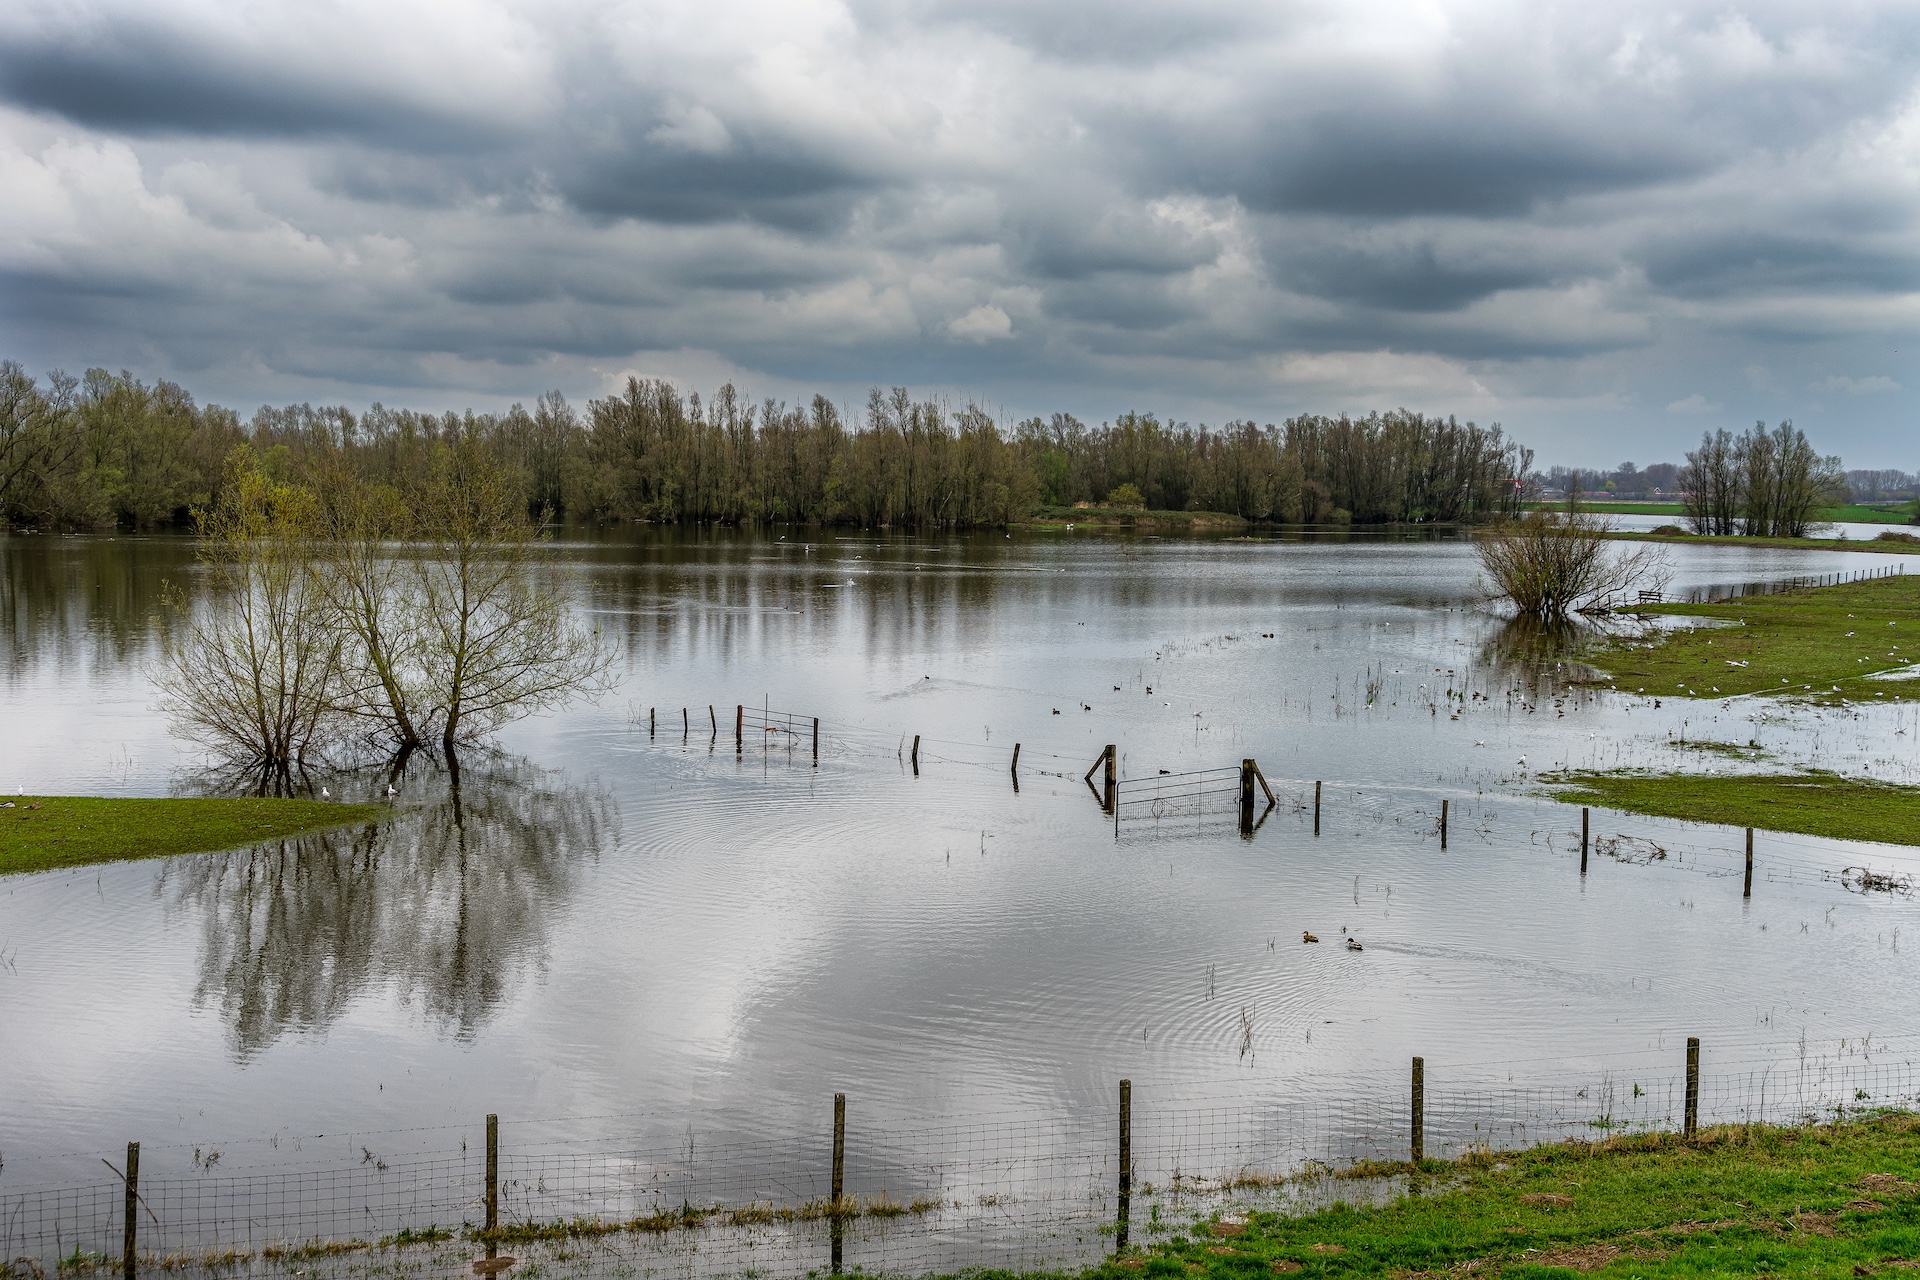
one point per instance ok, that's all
(107, 451)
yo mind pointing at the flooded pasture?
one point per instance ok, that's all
(623, 929)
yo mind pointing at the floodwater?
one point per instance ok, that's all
(613, 930)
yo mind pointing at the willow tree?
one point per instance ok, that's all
(253, 670)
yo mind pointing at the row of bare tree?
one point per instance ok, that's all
(340, 609)
(1765, 484)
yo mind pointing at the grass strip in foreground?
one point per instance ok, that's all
(1802, 643)
(1839, 1200)
(72, 831)
(1815, 804)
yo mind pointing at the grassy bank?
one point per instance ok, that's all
(1851, 513)
(1821, 642)
(1882, 545)
(71, 831)
(1815, 804)
(1829, 1201)
(1129, 518)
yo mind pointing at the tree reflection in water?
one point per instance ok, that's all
(448, 900)
(1540, 656)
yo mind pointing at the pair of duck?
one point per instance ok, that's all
(1353, 944)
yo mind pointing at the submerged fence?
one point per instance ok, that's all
(1068, 1189)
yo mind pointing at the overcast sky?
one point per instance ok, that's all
(1606, 225)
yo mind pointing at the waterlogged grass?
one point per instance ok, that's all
(1825, 643)
(1831, 1201)
(41, 833)
(1815, 804)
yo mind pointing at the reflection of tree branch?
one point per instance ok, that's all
(445, 901)
(1536, 654)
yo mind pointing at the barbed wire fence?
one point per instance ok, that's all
(1013, 1193)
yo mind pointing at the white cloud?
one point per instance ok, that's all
(982, 324)
(1695, 403)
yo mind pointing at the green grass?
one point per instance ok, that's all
(1815, 804)
(1850, 513)
(1829, 1201)
(1806, 643)
(72, 831)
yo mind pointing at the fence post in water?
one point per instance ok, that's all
(1112, 778)
(1748, 891)
(739, 727)
(714, 718)
(1246, 799)
(1583, 840)
(1126, 1165)
(493, 1182)
(816, 741)
(1016, 760)
(1443, 824)
(1692, 1119)
(651, 726)
(916, 755)
(129, 1243)
(1419, 1144)
(686, 724)
(1316, 808)
(835, 1214)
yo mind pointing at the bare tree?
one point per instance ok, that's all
(360, 529)
(1711, 486)
(1550, 564)
(499, 638)
(253, 671)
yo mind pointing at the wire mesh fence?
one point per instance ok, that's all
(610, 1195)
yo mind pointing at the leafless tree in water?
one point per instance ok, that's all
(253, 671)
(1553, 563)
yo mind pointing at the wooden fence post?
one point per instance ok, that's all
(1748, 891)
(1126, 1165)
(1443, 824)
(1692, 1118)
(837, 1211)
(816, 741)
(739, 727)
(129, 1242)
(916, 755)
(1583, 840)
(1316, 808)
(651, 725)
(493, 1182)
(1419, 1143)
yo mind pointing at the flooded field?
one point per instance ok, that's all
(625, 926)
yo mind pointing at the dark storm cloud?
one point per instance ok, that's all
(143, 78)
(1457, 196)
